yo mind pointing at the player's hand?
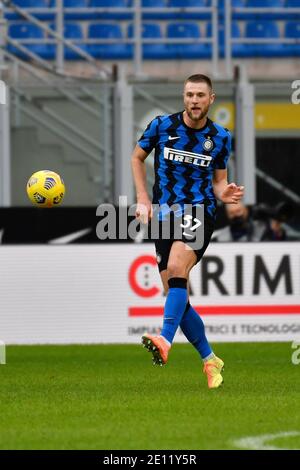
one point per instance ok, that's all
(144, 210)
(232, 194)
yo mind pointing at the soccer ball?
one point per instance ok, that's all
(45, 188)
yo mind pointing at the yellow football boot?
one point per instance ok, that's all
(213, 368)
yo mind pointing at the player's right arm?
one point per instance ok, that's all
(144, 207)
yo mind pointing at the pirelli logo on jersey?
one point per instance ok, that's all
(187, 157)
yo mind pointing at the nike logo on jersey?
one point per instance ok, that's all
(187, 157)
(173, 138)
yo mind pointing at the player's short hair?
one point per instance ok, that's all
(199, 78)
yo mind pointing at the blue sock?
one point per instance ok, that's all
(193, 328)
(174, 307)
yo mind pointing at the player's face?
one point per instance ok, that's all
(197, 98)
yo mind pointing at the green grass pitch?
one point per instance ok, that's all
(111, 397)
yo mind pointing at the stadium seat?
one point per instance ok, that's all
(237, 49)
(188, 4)
(292, 30)
(263, 29)
(150, 51)
(152, 15)
(21, 31)
(73, 3)
(184, 50)
(73, 31)
(30, 4)
(76, 4)
(292, 3)
(234, 4)
(265, 4)
(155, 4)
(107, 51)
(150, 3)
(111, 4)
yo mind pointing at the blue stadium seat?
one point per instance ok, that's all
(151, 15)
(234, 4)
(265, 4)
(30, 4)
(263, 29)
(107, 51)
(76, 4)
(150, 51)
(111, 4)
(184, 50)
(188, 4)
(72, 31)
(73, 3)
(154, 4)
(150, 3)
(21, 31)
(292, 4)
(292, 30)
(237, 49)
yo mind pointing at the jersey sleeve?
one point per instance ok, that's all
(149, 138)
(224, 154)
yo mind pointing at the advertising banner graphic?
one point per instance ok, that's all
(112, 293)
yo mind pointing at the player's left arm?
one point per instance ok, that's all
(225, 192)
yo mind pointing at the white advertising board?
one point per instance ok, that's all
(111, 293)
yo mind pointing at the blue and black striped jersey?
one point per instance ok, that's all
(185, 159)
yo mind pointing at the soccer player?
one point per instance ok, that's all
(190, 159)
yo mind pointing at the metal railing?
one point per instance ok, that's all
(24, 102)
(58, 35)
(244, 12)
(137, 11)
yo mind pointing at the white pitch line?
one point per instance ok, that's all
(260, 442)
